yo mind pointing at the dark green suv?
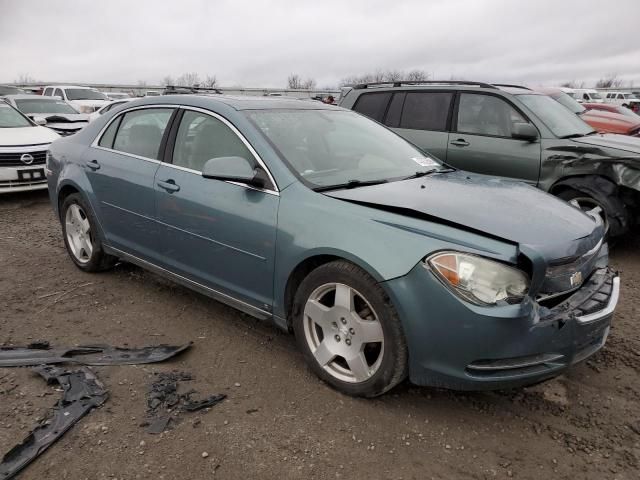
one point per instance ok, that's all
(512, 131)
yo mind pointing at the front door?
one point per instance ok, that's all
(217, 233)
(121, 169)
(480, 139)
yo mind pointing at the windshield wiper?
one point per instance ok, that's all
(348, 184)
(424, 173)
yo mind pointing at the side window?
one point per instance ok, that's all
(373, 105)
(620, 96)
(585, 96)
(58, 93)
(109, 134)
(47, 92)
(486, 115)
(426, 110)
(395, 110)
(202, 137)
(141, 132)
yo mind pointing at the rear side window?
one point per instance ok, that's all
(109, 134)
(426, 110)
(47, 92)
(373, 105)
(202, 137)
(141, 132)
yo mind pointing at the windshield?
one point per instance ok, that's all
(568, 101)
(43, 105)
(7, 90)
(328, 147)
(630, 96)
(557, 118)
(10, 118)
(84, 94)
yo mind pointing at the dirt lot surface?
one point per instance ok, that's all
(279, 421)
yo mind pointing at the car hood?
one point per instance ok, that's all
(610, 140)
(89, 103)
(508, 210)
(611, 118)
(11, 137)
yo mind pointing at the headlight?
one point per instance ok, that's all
(479, 280)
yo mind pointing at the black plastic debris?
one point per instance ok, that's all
(82, 393)
(41, 353)
(165, 402)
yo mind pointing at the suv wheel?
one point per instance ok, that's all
(349, 331)
(79, 232)
(612, 209)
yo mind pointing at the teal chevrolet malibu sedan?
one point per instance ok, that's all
(384, 262)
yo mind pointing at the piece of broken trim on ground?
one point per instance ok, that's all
(82, 390)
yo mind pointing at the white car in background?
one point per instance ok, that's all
(588, 95)
(23, 151)
(58, 114)
(109, 106)
(83, 99)
(624, 99)
(117, 95)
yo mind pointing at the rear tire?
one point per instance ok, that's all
(349, 331)
(614, 212)
(79, 230)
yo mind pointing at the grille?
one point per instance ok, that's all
(13, 159)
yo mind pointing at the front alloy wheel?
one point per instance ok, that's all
(348, 330)
(343, 332)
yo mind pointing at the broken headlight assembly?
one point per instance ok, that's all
(477, 279)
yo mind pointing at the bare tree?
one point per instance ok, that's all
(210, 81)
(188, 79)
(295, 82)
(394, 76)
(609, 81)
(417, 76)
(168, 80)
(24, 78)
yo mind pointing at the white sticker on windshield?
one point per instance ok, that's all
(425, 161)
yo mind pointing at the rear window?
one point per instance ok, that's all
(426, 110)
(373, 105)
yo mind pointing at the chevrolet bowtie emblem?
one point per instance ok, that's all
(576, 279)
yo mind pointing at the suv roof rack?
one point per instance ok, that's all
(401, 83)
(509, 85)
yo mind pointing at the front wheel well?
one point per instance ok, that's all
(64, 193)
(296, 277)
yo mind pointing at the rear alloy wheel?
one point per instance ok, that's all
(80, 236)
(349, 331)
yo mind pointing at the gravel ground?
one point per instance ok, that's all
(279, 421)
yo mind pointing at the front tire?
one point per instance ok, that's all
(349, 331)
(79, 230)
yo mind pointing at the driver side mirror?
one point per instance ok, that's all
(524, 131)
(235, 169)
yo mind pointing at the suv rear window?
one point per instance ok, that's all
(373, 105)
(426, 110)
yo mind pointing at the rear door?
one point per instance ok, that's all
(481, 141)
(423, 119)
(217, 233)
(121, 166)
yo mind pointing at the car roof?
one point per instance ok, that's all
(23, 96)
(70, 86)
(238, 102)
(461, 85)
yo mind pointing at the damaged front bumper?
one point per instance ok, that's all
(457, 345)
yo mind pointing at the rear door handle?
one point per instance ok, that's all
(461, 142)
(93, 165)
(169, 185)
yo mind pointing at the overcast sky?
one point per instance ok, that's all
(259, 43)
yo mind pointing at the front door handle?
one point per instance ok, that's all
(461, 142)
(93, 165)
(169, 185)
